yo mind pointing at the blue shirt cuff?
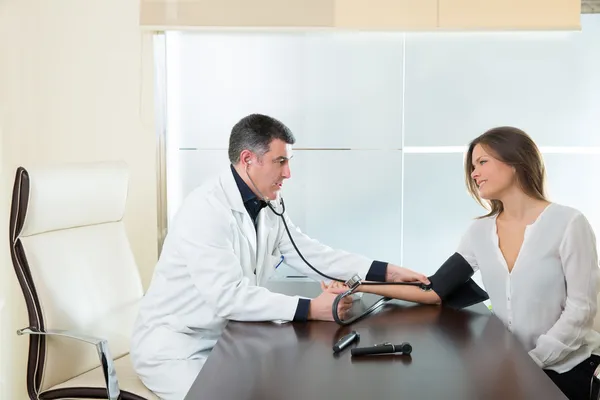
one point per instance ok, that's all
(302, 310)
(377, 271)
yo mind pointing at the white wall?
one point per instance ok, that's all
(75, 85)
(3, 264)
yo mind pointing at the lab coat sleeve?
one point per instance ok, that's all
(333, 262)
(580, 265)
(206, 245)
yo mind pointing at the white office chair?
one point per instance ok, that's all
(79, 279)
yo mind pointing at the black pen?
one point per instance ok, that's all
(384, 348)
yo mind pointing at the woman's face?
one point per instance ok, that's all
(492, 176)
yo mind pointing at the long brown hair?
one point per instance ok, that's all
(514, 147)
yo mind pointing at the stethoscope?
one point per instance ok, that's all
(352, 283)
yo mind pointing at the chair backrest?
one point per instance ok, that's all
(74, 264)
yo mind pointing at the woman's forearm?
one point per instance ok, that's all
(402, 292)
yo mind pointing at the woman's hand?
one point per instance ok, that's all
(395, 273)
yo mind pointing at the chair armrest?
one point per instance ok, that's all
(106, 360)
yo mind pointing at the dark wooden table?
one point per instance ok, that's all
(462, 355)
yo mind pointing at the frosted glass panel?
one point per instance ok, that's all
(341, 90)
(187, 169)
(354, 90)
(437, 209)
(215, 79)
(458, 85)
(348, 200)
(572, 181)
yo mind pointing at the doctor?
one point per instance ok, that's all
(221, 249)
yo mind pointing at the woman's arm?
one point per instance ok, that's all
(402, 292)
(580, 265)
(451, 282)
(451, 285)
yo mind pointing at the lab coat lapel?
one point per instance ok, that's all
(262, 255)
(232, 193)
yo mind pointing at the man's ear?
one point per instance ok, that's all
(246, 157)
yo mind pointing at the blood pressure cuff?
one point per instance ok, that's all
(453, 284)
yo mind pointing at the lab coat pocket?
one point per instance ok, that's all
(274, 262)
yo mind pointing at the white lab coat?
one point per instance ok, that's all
(211, 270)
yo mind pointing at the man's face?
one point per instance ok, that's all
(269, 171)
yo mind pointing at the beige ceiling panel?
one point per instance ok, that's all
(509, 14)
(386, 14)
(236, 13)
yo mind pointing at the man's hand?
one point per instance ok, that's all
(321, 307)
(399, 274)
(333, 285)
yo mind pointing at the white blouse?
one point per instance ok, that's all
(548, 301)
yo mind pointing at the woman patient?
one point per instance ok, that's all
(538, 260)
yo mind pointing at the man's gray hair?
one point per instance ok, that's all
(255, 133)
